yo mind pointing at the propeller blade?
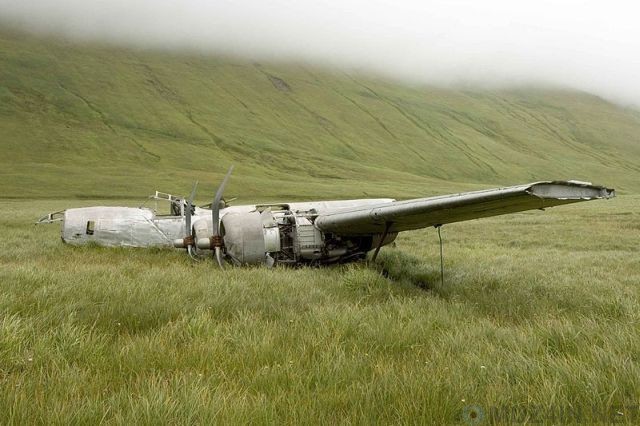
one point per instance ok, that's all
(216, 238)
(215, 205)
(188, 213)
(187, 217)
(187, 221)
(219, 257)
(193, 192)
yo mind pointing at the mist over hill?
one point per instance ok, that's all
(590, 46)
(95, 121)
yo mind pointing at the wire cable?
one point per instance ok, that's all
(441, 256)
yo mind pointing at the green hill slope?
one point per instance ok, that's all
(95, 121)
(536, 318)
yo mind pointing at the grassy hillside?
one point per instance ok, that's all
(80, 121)
(537, 321)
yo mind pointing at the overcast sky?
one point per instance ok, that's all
(589, 45)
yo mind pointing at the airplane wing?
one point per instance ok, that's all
(423, 212)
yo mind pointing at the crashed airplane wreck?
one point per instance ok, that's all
(319, 232)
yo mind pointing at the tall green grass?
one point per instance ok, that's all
(537, 320)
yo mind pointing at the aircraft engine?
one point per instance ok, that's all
(249, 238)
(281, 237)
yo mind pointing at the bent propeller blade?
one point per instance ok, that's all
(216, 238)
(192, 196)
(218, 254)
(215, 205)
(187, 221)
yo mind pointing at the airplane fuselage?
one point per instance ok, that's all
(255, 234)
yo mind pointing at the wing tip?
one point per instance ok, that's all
(570, 190)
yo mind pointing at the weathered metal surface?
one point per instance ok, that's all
(423, 212)
(120, 226)
(308, 242)
(308, 232)
(51, 217)
(244, 237)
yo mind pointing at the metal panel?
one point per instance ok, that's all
(423, 212)
(244, 237)
(308, 239)
(113, 226)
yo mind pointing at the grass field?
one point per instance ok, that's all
(538, 320)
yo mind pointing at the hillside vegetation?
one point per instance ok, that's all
(538, 319)
(79, 121)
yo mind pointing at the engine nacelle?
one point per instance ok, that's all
(250, 237)
(282, 237)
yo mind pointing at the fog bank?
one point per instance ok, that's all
(588, 45)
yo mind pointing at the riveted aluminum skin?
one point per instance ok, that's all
(423, 212)
(318, 231)
(120, 226)
(244, 237)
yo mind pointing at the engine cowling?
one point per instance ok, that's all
(250, 237)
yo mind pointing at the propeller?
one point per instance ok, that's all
(217, 242)
(189, 239)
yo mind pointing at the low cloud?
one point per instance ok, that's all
(587, 45)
